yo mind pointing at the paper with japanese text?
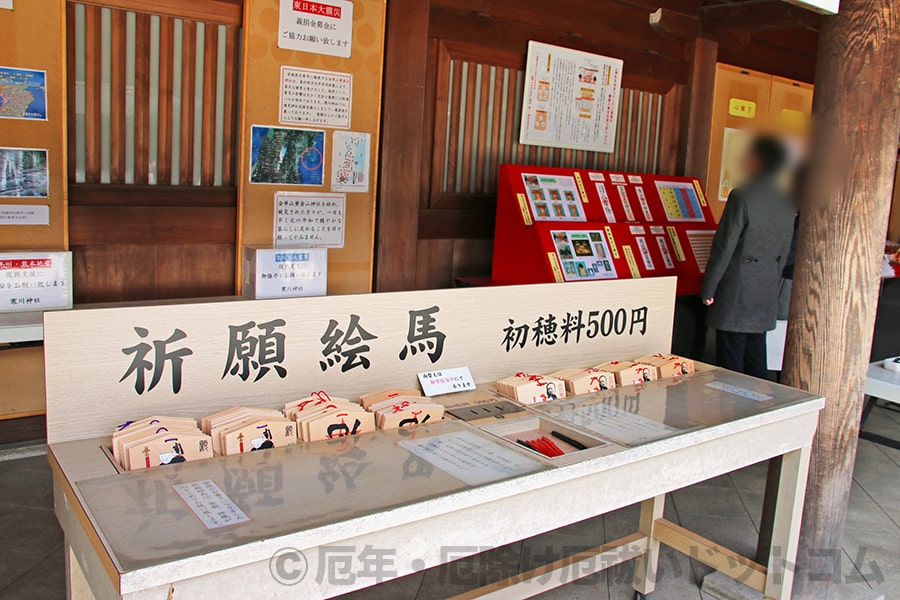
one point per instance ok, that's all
(571, 99)
(471, 458)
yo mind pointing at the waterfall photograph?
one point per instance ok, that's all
(23, 173)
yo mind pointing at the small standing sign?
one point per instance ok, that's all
(35, 281)
(446, 381)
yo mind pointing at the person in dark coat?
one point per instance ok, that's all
(749, 251)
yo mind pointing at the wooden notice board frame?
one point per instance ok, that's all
(34, 35)
(349, 268)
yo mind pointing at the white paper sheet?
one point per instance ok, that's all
(470, 457)
(210, 504)
(620, 425)
(775, 346)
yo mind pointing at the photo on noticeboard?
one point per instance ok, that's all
(287, 156)
(24, 173)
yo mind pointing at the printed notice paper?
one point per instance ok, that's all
(312, 97)
(738, 391)
(210, 504)
(617, 424)
(571, 99)
(470, 457)
(319, 27)
(24, 214)
(310, 218)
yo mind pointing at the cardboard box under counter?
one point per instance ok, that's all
(284, 272)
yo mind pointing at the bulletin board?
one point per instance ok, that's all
(34, 40)
(350, 267)
(565, 225)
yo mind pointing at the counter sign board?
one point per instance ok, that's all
(35, 281)
(317, 27)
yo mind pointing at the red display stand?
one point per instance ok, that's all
(576, 224)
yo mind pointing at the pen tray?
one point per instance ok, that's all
(529, 428)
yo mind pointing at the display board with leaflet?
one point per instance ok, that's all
(561, 225)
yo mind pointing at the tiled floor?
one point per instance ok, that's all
(725, 509)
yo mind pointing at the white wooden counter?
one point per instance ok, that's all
(129, 535)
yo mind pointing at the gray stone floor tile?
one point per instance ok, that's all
(864, 513)
(590, 588)
(29, 484)
(45, 581)
(708, 501)
(735, 533)
(877, 557)
(877, 475)
(675, 580)
(752, 477)
(30, 530)
(16, 564)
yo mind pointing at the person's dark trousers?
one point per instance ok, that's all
(742, 352)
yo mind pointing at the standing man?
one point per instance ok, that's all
(748, 255)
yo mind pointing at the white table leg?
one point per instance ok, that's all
(645, 566)
(786, 524)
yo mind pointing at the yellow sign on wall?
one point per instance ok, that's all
(742, 108)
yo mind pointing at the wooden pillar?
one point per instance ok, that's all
(696, 118)
(403, 127)
(856, 115)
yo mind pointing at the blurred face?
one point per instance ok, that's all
(751, 165)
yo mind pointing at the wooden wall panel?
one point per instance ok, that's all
(454, 73)
(126, 272)
(151, 242)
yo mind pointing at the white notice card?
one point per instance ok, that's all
(324, 27)
(612, 422)
(210, 504)
(470, 457)
(446, 381)
(309, 218)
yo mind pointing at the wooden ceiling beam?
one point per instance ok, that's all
(675, 25)
(756, 15)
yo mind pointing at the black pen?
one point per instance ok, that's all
(568, 440)
(529, 446)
